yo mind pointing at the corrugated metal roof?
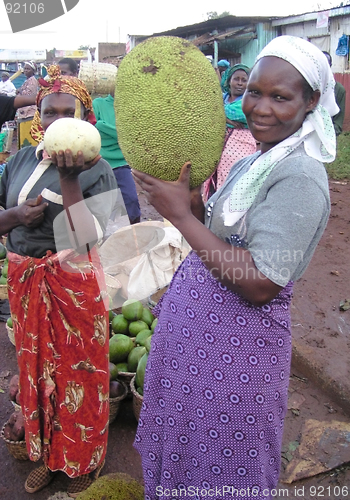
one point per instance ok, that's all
(209, 38)
(219, 24)
(311, 16)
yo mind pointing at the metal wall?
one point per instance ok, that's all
(325, 39)
(344, 79)
(250, 47)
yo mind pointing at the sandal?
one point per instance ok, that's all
(38, 479)
(96, 473)
(79, 484)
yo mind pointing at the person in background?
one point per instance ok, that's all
(6, 86)
(222, 70)
(29, 87)
(216, 382)
(239, 141)
(104, 112)
(340, 97)
(9, 106)
(25, 115)
(60, 318)
(68, 67)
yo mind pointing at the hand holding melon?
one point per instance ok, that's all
(80, 138)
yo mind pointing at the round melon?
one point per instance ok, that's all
(76, 135)
(169, 109)
(113, 371)
(120, 324)
(132, 309)
(137, 326)
(119, 347)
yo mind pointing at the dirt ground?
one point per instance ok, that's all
(317, 320)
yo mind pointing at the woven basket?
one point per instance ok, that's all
(112, 284)
(126, 378)
(136, 400)
(11, 335)
(17, 449)
(99, 78)
(3, 292)
(156, 296)
(114, 403)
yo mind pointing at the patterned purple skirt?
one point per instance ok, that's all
(215, 392)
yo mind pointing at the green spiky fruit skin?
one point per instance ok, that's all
(169, 109)
(115, 486)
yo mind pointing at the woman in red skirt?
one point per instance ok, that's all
(56, 297)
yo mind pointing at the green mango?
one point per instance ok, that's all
(119, 347)
(3, 251)
(113, 371)
(137, 326)
(122, 367)
(142, 336)
(120, 324)
(154, 324)
(147, 343)
(140, 371)
(134, 357)
(4, 270)
(132, 310)
(147, 316)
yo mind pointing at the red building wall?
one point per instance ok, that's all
(344, 79)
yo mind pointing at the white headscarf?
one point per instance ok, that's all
(32, 65)
(317, 131)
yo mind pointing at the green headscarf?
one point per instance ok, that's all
(233, 69)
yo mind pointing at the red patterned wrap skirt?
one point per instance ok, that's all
(60, 319)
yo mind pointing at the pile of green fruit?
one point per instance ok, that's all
(4, 269)
(3, 251)
(130, 342)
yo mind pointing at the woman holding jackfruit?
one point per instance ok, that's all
(215, 392)
(239, 141)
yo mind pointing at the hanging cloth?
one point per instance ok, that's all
(343, 46)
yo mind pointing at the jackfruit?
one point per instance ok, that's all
(169, 109)
(114, 486)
